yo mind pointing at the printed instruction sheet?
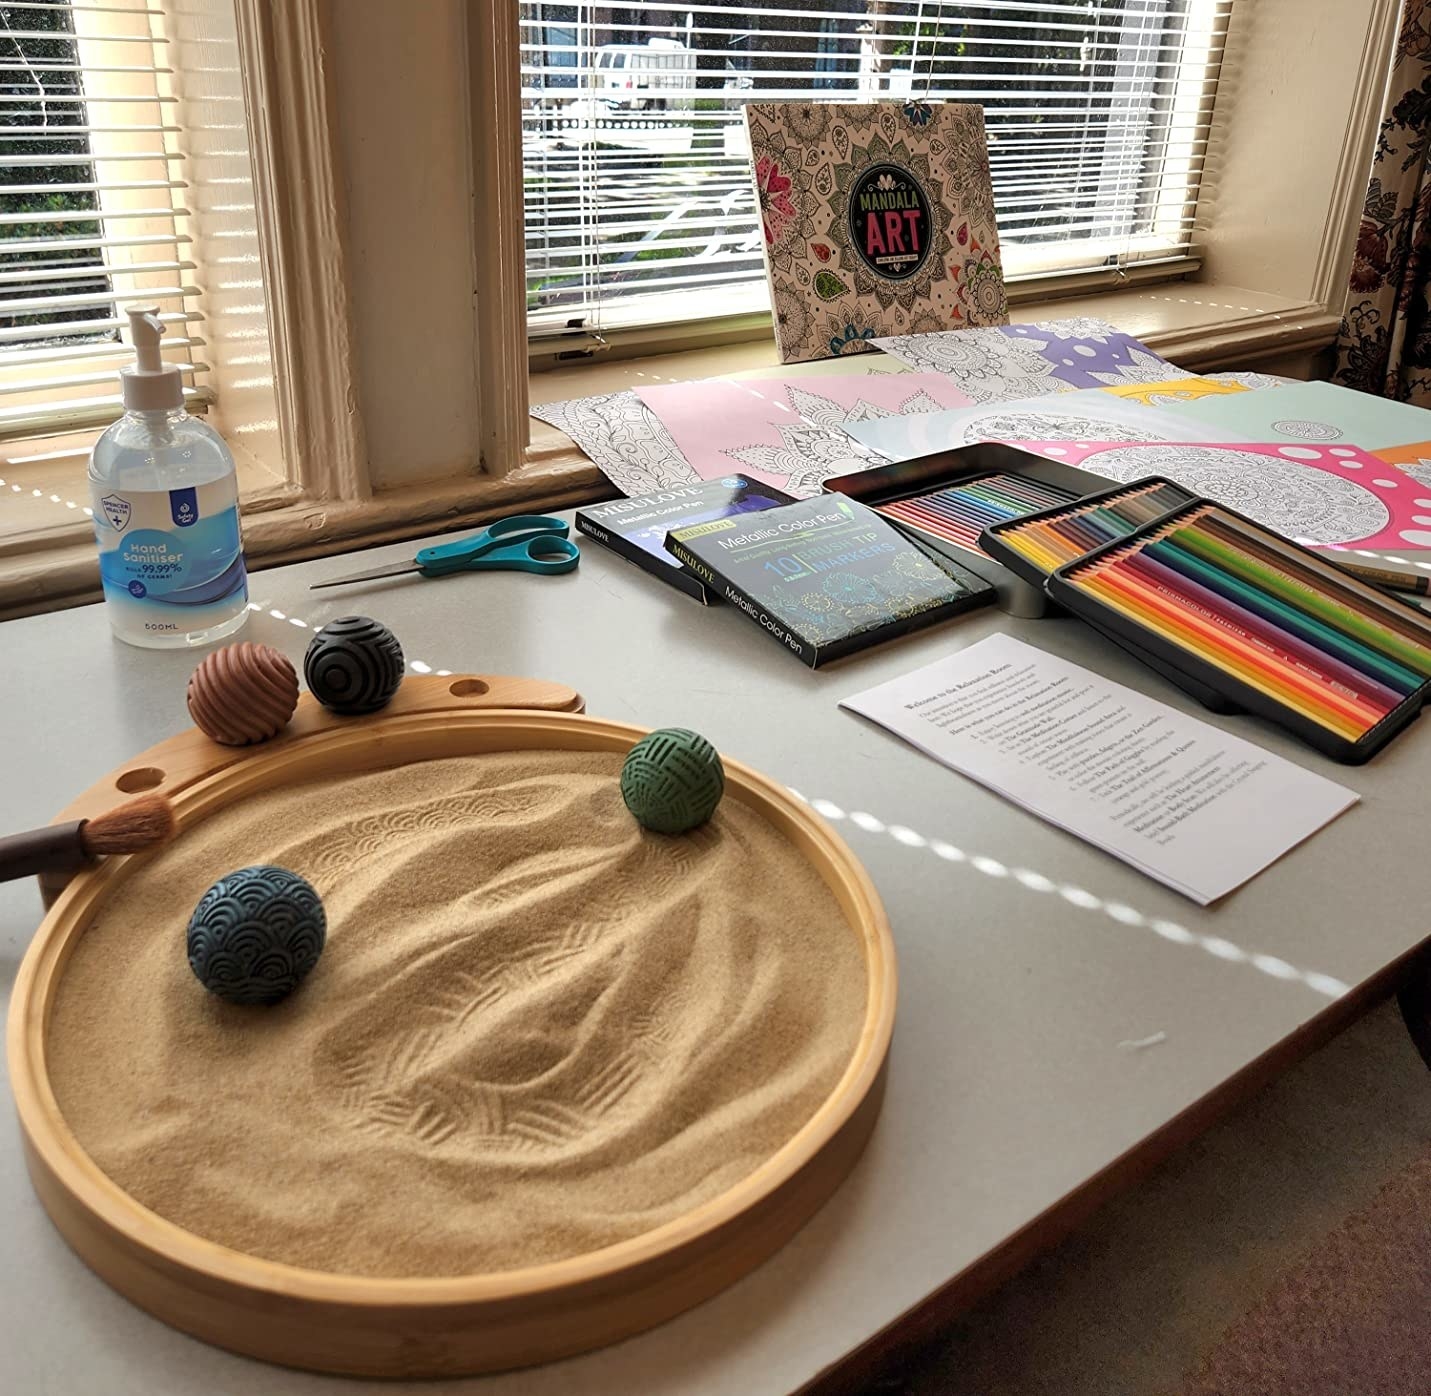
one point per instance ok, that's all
(1185, 802)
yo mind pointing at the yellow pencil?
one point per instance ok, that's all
(1146, 617)
(1027, 546)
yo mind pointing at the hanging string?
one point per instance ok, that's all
(939, 25)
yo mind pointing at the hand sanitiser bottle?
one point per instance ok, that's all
(165, 501)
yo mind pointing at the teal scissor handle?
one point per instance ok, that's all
(540, 552)
(466, 553)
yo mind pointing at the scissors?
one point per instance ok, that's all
(521, 543)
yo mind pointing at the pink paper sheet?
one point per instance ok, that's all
(790, 432)
(1326, 495)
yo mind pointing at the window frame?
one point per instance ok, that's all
(326, 502)
(303, 243)
(627, 327)
(107, 51)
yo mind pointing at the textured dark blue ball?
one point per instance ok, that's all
(255, 934)
(353, 666)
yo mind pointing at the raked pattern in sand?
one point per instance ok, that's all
(536, 1030)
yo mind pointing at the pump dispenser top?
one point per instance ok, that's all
(149, 384)
(164, 498)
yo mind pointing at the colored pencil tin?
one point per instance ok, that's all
(1230, 610)
(1034, 546)
(945, 501)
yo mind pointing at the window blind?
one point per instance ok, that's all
(92, 215)
(638, 198)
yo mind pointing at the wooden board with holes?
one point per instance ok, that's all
(176, 763)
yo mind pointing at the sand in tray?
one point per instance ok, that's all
(535, 1030)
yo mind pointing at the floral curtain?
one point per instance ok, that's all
(1385, 342)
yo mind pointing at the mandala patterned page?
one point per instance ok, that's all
(1414, 459)
(1087, 415)
(1019, 361)
(1315, 412)
(792, 435)
(852, 366)
(1173, 391)
(1324, 495)
(624, 439)
(1250, 378)
(878, 219)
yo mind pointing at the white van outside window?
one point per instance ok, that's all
(655, 76)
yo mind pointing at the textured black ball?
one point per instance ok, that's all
(353, 665)
(255, 934)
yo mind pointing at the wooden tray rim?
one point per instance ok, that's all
(61, 1152)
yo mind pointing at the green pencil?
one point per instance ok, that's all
(1321, 575)
(1359, 654)
(1305, 598)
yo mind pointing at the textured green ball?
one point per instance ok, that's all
(672, 780)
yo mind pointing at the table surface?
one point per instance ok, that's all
(1031, 965)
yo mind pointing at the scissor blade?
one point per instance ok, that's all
(396, 570)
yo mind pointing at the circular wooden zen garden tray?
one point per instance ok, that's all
(451, 1325)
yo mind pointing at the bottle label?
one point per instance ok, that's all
(171, 560)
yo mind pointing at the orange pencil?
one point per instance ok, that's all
(1222, 649)
(1317, 688)
(1158, 619)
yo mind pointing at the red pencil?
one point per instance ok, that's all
(1303, 691)
(1323, 667)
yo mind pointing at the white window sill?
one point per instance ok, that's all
(53, 566)
(278, 530)
(1196, 326)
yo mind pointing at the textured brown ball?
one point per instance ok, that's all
(243, 693)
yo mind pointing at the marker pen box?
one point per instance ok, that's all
(1310, 620)
(1001, 540)
(914, 479)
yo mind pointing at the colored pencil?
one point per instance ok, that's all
(1387, 577)
(1055, 538)
(1116, 593)
(1314, 587)
(1221, 634)
(1317, 574)
(960, 513)
(1385, 633)
(1364, 696)
(1368, 658)
(1248, 604)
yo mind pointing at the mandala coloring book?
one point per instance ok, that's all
(878, 219)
